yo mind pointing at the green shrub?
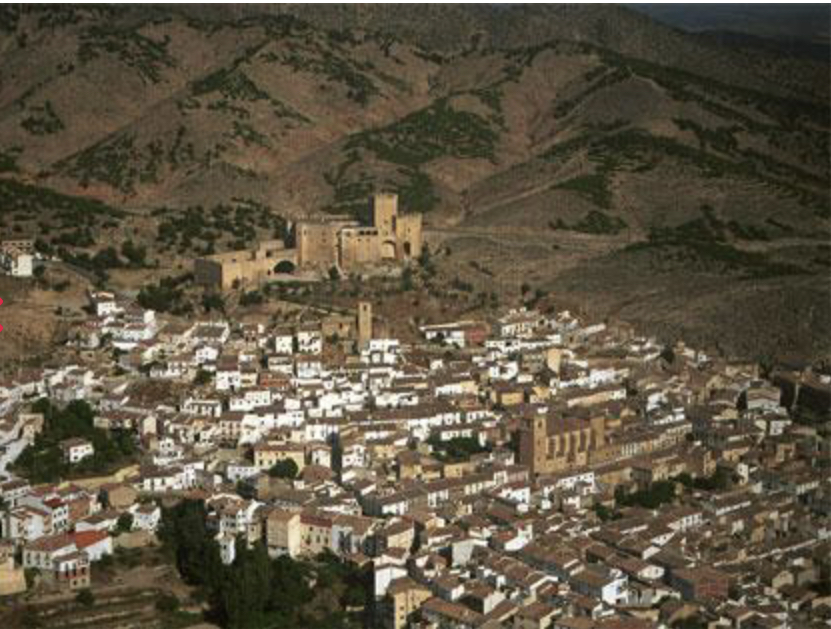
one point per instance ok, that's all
(85, 597)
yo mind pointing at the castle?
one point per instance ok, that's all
(320, 244)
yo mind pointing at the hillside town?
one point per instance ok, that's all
(531, 471)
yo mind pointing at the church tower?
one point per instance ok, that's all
(533, 443)
(364, 324)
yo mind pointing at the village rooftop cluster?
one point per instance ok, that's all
(530, 472)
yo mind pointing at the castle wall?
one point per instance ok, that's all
(317, 244)
(408, 234)
(358, 246)
(207, 272)
(321, 244)
(247, 268)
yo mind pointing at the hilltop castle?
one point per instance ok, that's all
(321, 244)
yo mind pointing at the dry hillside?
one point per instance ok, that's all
(587, 151)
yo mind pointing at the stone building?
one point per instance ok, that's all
(364, 324)
(236, 269)
(321, 244)
(550, 442)
(12, 578)
(17, 257)
(344, 243)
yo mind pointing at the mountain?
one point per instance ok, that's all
(586, 150)
(789, 30)
(810, 23)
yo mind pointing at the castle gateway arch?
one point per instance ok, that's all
(388, 250)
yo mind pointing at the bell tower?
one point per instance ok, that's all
(533, 443)
(364, 324)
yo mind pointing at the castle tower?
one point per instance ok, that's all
(364, 323)
(385, 214)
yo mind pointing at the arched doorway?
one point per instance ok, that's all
(388, 250)
(284, 266)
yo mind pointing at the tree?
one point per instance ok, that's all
(286, 468)
(42, 461)
(251, 298)
(244, 592)
(658, 493)
(107, 259)
(604, 513)
(255, 591)
(125, 523)
(167, 603)
(164, 297)
(334, 274)
(685, 479)
(202, 377)
(185, 536)
(31, 576)
(85, 597)
(246, 490)
(213, 301)
(407, 279)
(136, 256)
(455, 449)
(425, 260)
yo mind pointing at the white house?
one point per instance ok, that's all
(16, 263)
(309, 340)
(609, 586)
(75, 450)
(146, 517)
(284, 342)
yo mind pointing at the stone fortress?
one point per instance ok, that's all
(339, 242)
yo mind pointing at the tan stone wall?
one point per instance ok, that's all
(342, 326)
(409, 236)
(317, 244)
(406, 603)
(12, 580)
(248, 268)
(266, 459)
(547, 454)
(207, 272)
(284, 533)
(358, 247)
(385, 214)
(95, 482)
